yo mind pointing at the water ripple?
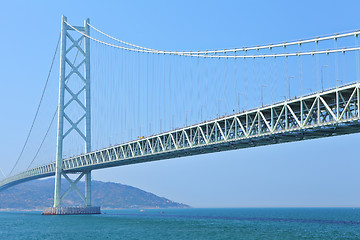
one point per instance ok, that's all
(264, 219)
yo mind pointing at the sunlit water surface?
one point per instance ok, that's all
(286, 223)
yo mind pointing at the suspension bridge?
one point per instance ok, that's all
(161, 104)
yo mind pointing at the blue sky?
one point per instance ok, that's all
(323, 172)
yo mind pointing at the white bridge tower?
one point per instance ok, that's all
(69, 70)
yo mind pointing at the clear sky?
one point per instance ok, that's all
(323, 172)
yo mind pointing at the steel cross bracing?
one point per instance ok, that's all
(71, 71)
(332, 112)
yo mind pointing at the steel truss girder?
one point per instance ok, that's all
(328, 113)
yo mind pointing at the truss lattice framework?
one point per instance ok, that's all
(328, 113)
(69, 72)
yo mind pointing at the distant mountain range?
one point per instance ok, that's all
(39, 194)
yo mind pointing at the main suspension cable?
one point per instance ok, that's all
(121, 41)
(205, 54)
(268, 46)
(43, 140)
(52, 120)
(38, 107)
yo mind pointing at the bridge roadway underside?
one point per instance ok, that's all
(329, 113)
(307, 134)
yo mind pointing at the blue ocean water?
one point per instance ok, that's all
(238, 223)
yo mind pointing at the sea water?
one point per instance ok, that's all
(192, 223)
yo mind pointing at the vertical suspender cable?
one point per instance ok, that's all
(191, 90)
(263, 80)
(344, 66)
(300, 71)
(357, 59)
(139, 97)
(275, 78)
(226, 85)
(317, 66)
(271, 78)
(236, 105)
(206, 91)
(328, 69)
(158, 77)
(122, 112)
(313, 70)
(336, 64)
(147, 99)
(199, 109)
(257, 77)
(287, 80)
(246, 82)
(163, 94)
(170, 108)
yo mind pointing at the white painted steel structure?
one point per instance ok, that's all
(84, 104)
(323, 114)
(235, 51)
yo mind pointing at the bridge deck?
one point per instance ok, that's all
(328, 113)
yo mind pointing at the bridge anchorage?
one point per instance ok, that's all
(67, 70)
